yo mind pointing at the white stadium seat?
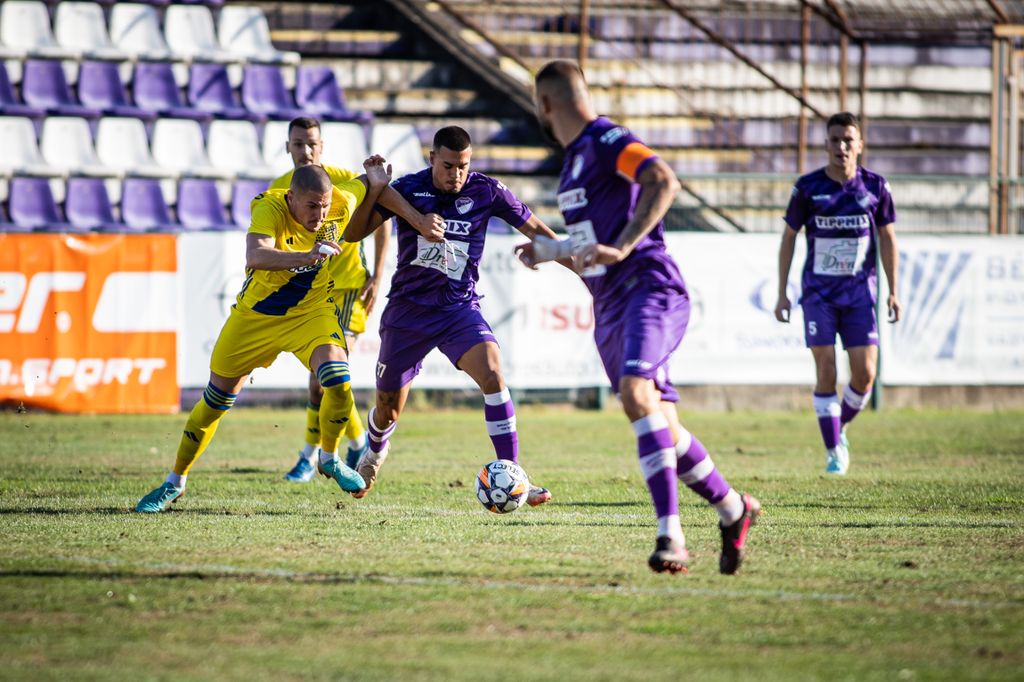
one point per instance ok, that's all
(244, 31)
(178, 145)
(21, 153)
(25, 28)
(275, 153)
(400, 145)
(234, 147)
(121, 144)
(344, 145)
(66, 144)
(81, 26)
(135, 29)
(190, 35)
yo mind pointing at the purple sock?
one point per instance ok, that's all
(658, 463)
(500, 416)
(826, 406)
(853, 403)
(697, 470)
(378, 438)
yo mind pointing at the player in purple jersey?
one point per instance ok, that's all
(433, 301)
(848, 212)
(613, 193)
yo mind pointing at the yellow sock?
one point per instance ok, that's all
(354, 428)
(200, 427)
(312, 425)
(337, 404)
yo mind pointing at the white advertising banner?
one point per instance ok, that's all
(963, 320)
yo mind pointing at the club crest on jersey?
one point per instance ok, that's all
(463, 205)
(577, 166)
(864, 200)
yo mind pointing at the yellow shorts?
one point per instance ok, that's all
(249, 340)
(351, 311)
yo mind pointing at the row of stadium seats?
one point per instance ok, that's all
(263, 93)
(79, 29)
(179, 147)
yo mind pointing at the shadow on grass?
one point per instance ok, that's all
(47, 511)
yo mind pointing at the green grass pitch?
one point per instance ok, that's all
(910, 568)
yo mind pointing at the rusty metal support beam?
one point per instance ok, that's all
(863, 87)
(476, 28)
(1000, 13)
(844, 67)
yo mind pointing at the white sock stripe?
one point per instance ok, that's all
(854, 399)
(372, 429)
(501, 427)
(669, 525)
(827, 406)
(699, 472)
(684, 442)
(650, 423)
(500, 398)
(658, 460)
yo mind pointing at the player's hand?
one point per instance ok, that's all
(369, 294)
(596, 254)
(378, 171)
(895, 309)
(782, 309)
(321, 251)
(526, 255)
(431, 226)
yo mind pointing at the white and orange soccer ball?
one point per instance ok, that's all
(502, 486)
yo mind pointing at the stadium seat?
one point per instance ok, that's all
(177, 145)
(344, 145)
(66, 144)
(242, 194)
(100, 87)
(190, 34)
(25, 28)
(135, 29)
(9, 104)
(244, 31)
(199, 206)
(32, 206)
(234, 147)
(264, 92)
(80, 26)
(21, 153)
(400, 145)
(156, 90)
(210, 90)
(7, 226)
(87, 205)
(275, 151)
(122, 145)
(143, 206)
(44, 85)
(317, 91)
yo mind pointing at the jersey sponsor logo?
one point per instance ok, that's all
(458, 227)
(423, 194)
(463, 205)
(449, 257)
(572, 199)
(839, 257)
(612, 135)
(842, 222)
(818, 197)
(577, 167)
(582, 235)
(639, 364)
(307, 268)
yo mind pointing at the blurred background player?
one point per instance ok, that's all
(355, 290)
(844, 207)
(641, 305)
(433, 301)
(284, 306)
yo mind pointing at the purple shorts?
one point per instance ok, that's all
(640, 337)
(408, 331)
(856, 325)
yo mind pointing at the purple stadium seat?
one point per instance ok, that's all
(87, 205)
(199, 206)
(317, 91)
(32, 206)
(100, 86)
(157, 91)
(212, 4)
(7, 226)
(9, 104)
(210, 90)
(242, 194)
(43, 85)
(143, 206)
(264, 91)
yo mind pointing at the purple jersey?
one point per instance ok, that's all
(841, 220)
(445, 274)
(597, 195)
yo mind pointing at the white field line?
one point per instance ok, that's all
(226, 571)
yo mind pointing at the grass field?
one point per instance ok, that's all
(910, 568)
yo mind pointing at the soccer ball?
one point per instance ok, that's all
(502, 486)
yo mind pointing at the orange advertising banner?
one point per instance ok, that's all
(88, 323)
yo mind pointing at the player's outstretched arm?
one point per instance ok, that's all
(890, 264)
(430, 225)
(260, 254)
(786, 249)
(364, 219)
(543, 240)
(659, 186)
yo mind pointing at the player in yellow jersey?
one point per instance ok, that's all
(355, 292)
(286, 305)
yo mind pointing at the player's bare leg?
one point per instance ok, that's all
(482, 363)
(863, 366)
(827, 409)
(381, 422)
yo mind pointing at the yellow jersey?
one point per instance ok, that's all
(299, 290)
(347, 273)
